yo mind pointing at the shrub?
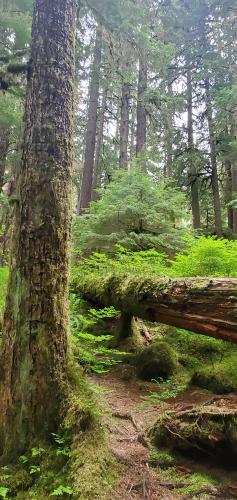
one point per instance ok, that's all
(156, 361)
(207, 257)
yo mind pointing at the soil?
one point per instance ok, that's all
(128, 416)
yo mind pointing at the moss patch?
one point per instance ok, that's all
(158, 361)
(220, 378)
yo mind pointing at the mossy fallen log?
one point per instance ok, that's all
(207, 431)
(203, 305)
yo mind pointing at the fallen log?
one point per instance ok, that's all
(203, 305)
(203, 431)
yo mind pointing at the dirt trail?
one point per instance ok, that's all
(127, 418)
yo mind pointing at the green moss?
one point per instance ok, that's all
(161, 458)
(220, 378)
(3, 287)
(156, 361)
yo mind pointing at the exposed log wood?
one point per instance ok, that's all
(202, 305)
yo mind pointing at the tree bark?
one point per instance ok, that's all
(234, 171)
(168, 122)
(228, 193)
(124, 125)
(214, 175)
(4, 146)
(192, 168)
(141, 109)
(234, 193)
(88, 168)
(34, 352)
(202, 305)
(99, 144)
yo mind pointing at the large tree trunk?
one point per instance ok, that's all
(33, 363)
(4, 146)
(141, 109)
(124, 125)
(192, 168)
(214, 175)
(202, 305)
(88, 167)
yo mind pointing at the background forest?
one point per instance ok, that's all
(154, 196)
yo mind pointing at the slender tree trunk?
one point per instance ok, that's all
(234, 170)
(99, 144)
(192, 168)
(214, 176)
(124, 125)
(133, 133)
(33, 364)
(169, 134)
(4, 146)
(141, 109)
(228, 192)
(88, 168)
(234, 193)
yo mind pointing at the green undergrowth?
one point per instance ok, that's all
(90, 338)
(191, 484)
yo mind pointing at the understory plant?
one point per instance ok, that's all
(91, 348)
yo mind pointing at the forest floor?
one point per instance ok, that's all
(128, 416)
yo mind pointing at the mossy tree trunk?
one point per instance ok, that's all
(34, 352)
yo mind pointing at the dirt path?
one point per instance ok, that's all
(127, 419)
(129, 415)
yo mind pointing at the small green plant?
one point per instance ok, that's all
(3, 492)
(34, 469)
(37, 452)
(23, 459)
(62, 490)
(62, 447)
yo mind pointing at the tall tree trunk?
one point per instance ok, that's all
(228, 192)
(124, 125)
(234, 170)
(33, 364)
(4, 146)
(234, 193)
(88, 168)
(214, 175)
(192, 168)
(141, 109)
(168, 134)
(99, 144)
(133, 132)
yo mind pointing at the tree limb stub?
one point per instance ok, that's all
(203, 305)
